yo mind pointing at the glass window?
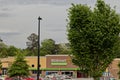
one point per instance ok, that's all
(34, 71)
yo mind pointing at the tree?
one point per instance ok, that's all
(93, 37)
(48, 46)
(12, 51)
(0, 67)
(19, 67)
(118, 50)
(3, 52)
(2, 44)
(63, 48)
(1, 40)
(6, 50)
(32, 44)
(3, 49)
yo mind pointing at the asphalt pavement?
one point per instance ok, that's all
(81, 79)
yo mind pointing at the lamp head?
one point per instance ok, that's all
(39, 18)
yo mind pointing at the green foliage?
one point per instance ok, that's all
(12, 51)
(118, 50)
(93, 37)
(32, 44)
(48, 46)
(63, 48)
(3, 52)
(3, 49)
(9, 51)
(6, 51)
(19, 67)
(29, 52)
(2, 44)
(0, 65)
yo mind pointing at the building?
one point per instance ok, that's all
(50, 64)
(60, 64)
(113, 68)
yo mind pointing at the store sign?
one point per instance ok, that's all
(58, 62)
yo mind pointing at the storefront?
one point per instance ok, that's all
(60, 64)
(50, 64)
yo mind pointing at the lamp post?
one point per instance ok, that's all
(38, 66)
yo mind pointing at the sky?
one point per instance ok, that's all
(19, 19)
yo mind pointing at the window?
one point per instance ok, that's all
(34, 71)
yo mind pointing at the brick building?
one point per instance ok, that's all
(60, 64)
(113, 68)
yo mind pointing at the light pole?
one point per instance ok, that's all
(38, 66)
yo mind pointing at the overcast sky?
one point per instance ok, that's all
(19, 18)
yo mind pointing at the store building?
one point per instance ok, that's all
(57, 64)
(113, 68)
(60, 64)
(31, 61)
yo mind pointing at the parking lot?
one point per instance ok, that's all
(82, 79)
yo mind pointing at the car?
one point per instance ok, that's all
(8, 78)
(29, 78)
(66, 77)
(2, 78)
(35, 78)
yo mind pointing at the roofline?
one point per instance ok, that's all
(57, 55)
(117, 59)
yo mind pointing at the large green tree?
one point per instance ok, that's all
(47, 47)
(6, 50)
(93, 36)
(3, 52)
(12, 51)
(2, 44)
(19, 67)
(32, 44)
(3, 49)
(63, 48)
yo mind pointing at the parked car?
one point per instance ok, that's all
(29, 78)
(2, 78)
(65, 77)
(35, 78)
(8, 78)
(57, 77)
